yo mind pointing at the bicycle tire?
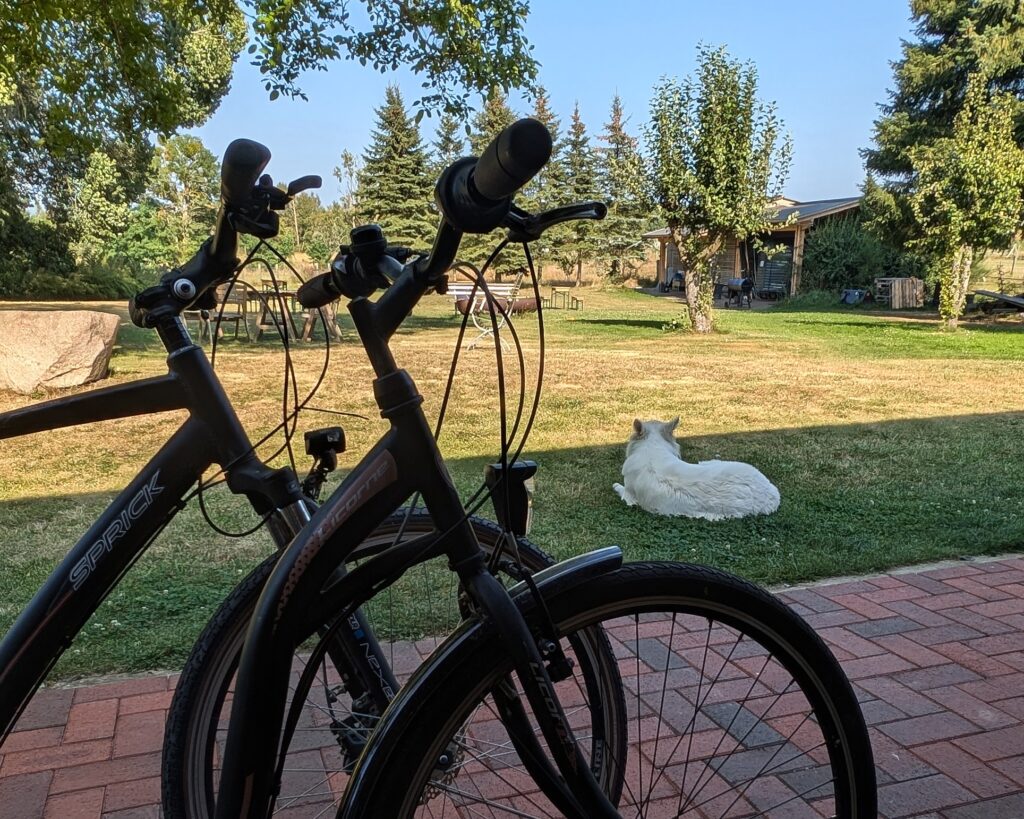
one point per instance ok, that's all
(447, 699)
(198, 706)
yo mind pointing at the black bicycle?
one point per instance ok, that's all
(587, 689)
(213, 435)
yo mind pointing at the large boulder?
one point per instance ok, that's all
(54, 348)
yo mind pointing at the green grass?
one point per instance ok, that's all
(891, 443)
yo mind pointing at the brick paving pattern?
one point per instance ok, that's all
(937, 657)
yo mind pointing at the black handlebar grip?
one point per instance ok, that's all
(244, 161)
(318, 292)
(512, 159)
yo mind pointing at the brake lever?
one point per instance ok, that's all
(525, 227)
(303, 183)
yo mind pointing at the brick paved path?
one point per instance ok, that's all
(937, 656)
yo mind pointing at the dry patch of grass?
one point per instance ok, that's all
(889, 441)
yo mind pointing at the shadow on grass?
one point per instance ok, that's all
(651, 324)
(856, 498)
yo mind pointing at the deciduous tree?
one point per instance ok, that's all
(716, 156)
(185, 186)
(968, 192)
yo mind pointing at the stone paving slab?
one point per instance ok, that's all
(936, 654)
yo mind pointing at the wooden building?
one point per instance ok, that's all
(775, 276)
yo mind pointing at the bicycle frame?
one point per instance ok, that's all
(212, 434)
(405, 461)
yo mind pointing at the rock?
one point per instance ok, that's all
(54, 348)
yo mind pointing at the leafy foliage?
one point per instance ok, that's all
(184, 183)
(840, 253)
(956, 39)
(927, 191)
(86, 76)
(968, 191)
(460, 48)
(715, 156)
(100, 208)
(394, 184)
(76, 77)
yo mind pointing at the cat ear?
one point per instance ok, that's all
(671, 425)
(638, 427)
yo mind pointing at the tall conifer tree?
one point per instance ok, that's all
(495, 116)
(580, 185)
(545, 190)
(394, 182)
(621, 181)
(961, 44)
(449, 144)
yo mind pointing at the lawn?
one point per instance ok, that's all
(890, 442)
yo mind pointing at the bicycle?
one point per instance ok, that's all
(482, 725)
(211, 435)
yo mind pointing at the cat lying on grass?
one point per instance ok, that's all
(658, 480)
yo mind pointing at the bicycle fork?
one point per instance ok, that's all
(572, 787)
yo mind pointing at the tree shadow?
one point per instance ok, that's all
(651, 324)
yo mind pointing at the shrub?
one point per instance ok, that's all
(840, 253)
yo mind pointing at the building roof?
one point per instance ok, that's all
(820, 207)
(804, 212)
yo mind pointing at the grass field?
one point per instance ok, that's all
(890, 442)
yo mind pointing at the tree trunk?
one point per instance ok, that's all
(954, 283)
(579, 270)
(700, 285)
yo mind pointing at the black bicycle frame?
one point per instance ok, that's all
(212, 434)
(405, 461)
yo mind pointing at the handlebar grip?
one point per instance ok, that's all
(318, 292)
(244, 161)
(512, 159)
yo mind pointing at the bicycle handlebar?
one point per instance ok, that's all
(474, 196)
(244, 161)
(511, 160)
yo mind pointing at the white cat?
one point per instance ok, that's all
(659, 481)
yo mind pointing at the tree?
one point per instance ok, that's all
(580, 185)
(490, 120)
(185, 185)
(621, 180)
(715, 158)
(957, 40)
(449, 144)
(90, 76)
(77, 76)
(347, 175)
(99, 209)
(395, 188)
(968, 194)
(546, 189)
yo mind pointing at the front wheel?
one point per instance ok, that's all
(421, 605)
(736, 708)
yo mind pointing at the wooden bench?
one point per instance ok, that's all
(473, 300)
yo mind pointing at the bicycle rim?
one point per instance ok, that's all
(735, 707)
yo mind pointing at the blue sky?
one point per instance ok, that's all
(825, 63)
